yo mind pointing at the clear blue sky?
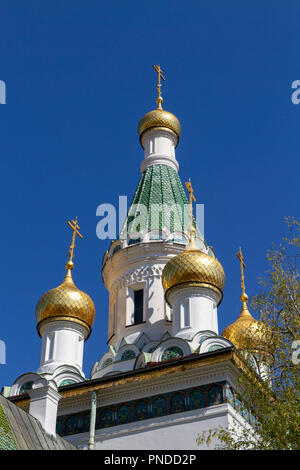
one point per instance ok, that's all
(79, 78)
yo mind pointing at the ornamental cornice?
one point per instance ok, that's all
(156, 159)
(139, 274)
(185, 380)
(224, 371)
(140, 256)
(65, 324)
(189, 290)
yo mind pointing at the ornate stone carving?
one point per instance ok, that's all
(139, 274)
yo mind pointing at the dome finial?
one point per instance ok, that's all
(159, 99)
(244, 296)
(66, 302)
(159, 118)
(246, 333)
(192, 245)
(75, 227)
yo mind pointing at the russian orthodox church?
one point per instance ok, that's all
(168, 373)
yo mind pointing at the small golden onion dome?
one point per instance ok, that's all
(159, 118)
(193, 267)
(66, 302)
(246, 333)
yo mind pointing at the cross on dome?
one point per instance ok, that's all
(75, 227)
(244, 296)
(159, 99)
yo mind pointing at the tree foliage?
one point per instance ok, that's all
(275, 401)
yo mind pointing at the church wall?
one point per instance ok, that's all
(177, 432)
(156, 315)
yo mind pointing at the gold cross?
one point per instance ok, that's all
(243, 266)
(189, 187)
(160, 75)
(75, 227)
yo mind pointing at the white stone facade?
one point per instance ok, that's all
(62, 343)
(159, 148)
(177, 431)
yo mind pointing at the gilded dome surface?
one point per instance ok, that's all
(246, 333)
(193, 266)
(159, 118)
(66, 302)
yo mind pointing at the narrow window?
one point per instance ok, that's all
(50, 346)
(138, 306)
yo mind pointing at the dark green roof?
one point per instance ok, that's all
(159, 190)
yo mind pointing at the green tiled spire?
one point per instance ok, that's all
(161, 192)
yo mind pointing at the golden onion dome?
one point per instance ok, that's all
(193, 267)
(159, 118)
(246, 333)
(66, 302)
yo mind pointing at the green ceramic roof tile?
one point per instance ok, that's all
(21, 431)
(7, 441)
(159, 190)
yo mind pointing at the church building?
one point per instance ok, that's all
(168, 373)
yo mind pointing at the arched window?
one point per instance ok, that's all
(85, 423)
(66, 382)
(72, 425)
(129, 354)
(196, 399)
(173, 352)
(178, 403)
(141, 411)
(105, 419)
(214, 347)
(159, 407)
(123, 414)
(215, 395)
(138, 306)
(25, 387)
